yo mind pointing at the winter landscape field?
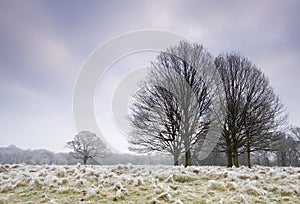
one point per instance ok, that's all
(148, 184)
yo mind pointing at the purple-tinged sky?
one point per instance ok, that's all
(44, 43)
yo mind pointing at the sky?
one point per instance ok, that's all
(44, 44)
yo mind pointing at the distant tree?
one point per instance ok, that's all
(296, 133)
(288, 152)
(87, 145)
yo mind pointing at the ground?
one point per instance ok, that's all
(148, 184)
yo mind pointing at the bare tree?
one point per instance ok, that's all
(87, 145)
(288, 152)
(254, 112)
(172, 111)
(264, 115)
(233, 71)
(155, 118)
(296, 133)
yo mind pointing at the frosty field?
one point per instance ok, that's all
(148, 184)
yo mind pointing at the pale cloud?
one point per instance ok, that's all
(35, 38)
(44, 43)
(23, 92)
(54, 57)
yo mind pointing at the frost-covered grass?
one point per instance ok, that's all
(148, 184)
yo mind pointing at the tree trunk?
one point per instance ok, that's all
(188, 161)
(176, 158)
(267, 160)
(235, 158)
(249, 156)
(283, 160)
(187, 149)
(229, 157)
(235, 152)
(85, 160)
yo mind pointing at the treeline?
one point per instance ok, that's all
(15, 155)
(285, 153)
(224, 105)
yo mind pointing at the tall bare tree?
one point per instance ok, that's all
(254, 112)
(87, 145)
(172, 111)
(155, 118)
(233, 71)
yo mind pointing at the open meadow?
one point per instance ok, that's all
(148, 184)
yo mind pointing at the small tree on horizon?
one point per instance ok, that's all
(86, 145)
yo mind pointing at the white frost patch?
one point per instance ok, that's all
(4, 199)
(252, 190)
(216, 185)
(164, 196)
(177, 201)
(139, 181)
(118, 187)
(92, 192)
(170, 179)
(162, 184)
(52, 201)
(61, 173)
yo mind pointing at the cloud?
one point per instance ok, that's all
(33, 38)
(37, 72)
(44, 43)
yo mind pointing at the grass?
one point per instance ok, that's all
(147, 184)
